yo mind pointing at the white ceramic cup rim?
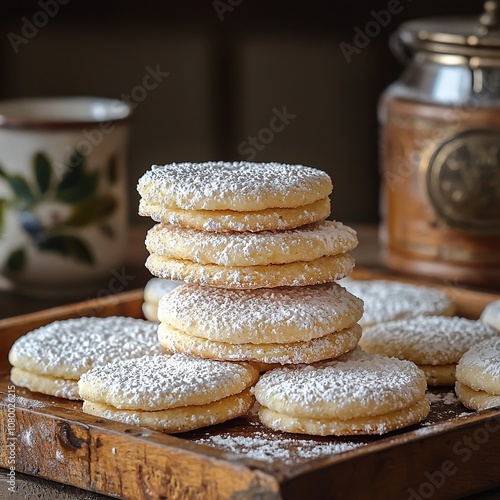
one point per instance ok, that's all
(61, 112)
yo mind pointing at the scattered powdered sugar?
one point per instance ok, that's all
(262, 315)
(427, 340)
(262, 446)
(233, 185)
(251, 249)
(163, 382)
(26, 437)
(69, 348)
(29, 403)
(447, 398)
(391, 300)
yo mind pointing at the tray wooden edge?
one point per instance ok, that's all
(327, 475)
(115, 459)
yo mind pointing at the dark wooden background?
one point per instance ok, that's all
(226, 77)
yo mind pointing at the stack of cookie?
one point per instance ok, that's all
(259, 260)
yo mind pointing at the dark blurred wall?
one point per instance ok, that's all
(233, 65)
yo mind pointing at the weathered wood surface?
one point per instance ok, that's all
(455, 452)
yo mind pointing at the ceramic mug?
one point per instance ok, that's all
(63, 217)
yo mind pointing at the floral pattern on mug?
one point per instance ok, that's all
(55, 203)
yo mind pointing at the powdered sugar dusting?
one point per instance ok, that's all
(250, 249)
(356, 384)
(390, 300)
(268, 448)
(447, 398)
(233, 185)
(69, 348)
(163, 382)
(427, 340)
(484, 356)
(260, 316)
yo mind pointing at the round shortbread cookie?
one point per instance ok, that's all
(275, 219)
(379, 424)
(163, 382)
(356, 385)
(183, 419)
(323, 270)
(391, 300)
(261, 316)
(426, 340)
(476, 400)
(329, 346)
(239, 186)
(491, 314)
(58, 387)
(439, 374)
(69, 348)
(251, 249)
(479, 367)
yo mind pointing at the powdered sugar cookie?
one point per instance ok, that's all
(379, 424)
(277, 219)
(476, 400)
(182, 419)
(479, 368)
(251, 249)
(170, 393)
(155, 289)
(326, 347)
(261, 316)
(359, 393)
(391, 300)
(238, 186)
(67, 349)
(322, 270)
(435, 341)
(53, 386)
(491, 314)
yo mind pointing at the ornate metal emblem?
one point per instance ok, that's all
(463, 181)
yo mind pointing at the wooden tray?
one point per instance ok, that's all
(453, 453)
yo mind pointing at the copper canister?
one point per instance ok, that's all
(440, 144)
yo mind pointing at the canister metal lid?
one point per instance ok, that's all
(472, 37)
